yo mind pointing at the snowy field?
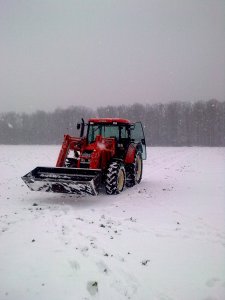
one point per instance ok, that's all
(161, 240)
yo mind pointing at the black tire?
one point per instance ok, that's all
(115, 178)
(134, 171)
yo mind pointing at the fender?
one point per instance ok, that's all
(130, 155)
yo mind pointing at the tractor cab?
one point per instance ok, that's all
(121, 130)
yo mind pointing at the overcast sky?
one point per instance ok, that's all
(99, 52)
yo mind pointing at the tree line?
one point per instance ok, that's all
(173, 124)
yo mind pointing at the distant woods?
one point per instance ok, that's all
(173, 124)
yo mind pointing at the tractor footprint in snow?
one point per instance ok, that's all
(80, 219)
(92, 287)
(163, 297)
(63, 230)
(85, 221)
(84, 251)
(92, 240)
(103, 268)
(4, 229)
(112, 222)
(119, 257)
(126, 285)
(212, 281)
(121, 288)
(93, 245)
(74, 265)
(144, 262)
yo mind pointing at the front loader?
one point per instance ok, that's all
(110, 155)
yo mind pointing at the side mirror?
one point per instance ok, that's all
(132, 127)
(82, 128)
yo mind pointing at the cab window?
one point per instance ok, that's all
(107, 130)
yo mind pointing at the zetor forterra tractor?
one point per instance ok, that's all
(109, 155)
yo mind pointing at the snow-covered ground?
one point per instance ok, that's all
(162, 239)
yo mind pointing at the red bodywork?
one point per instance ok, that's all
(110, 120)
(102, 150)
(98, 153)
(84, 163)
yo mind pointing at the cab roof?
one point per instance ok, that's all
(109, 120)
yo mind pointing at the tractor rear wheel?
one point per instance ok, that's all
(134, 171)
(115, 178)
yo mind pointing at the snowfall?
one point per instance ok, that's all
(163, 239)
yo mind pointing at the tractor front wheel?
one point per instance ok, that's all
(115, 178)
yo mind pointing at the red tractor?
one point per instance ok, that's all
(110, 154)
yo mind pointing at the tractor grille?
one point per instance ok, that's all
(85, 159)
(85, 164)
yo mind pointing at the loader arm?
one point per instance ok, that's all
(69, 143)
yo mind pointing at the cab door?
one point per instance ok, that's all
(137, 134)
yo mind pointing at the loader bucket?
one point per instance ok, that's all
(64, 180)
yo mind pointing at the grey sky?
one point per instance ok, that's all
(91, 52)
